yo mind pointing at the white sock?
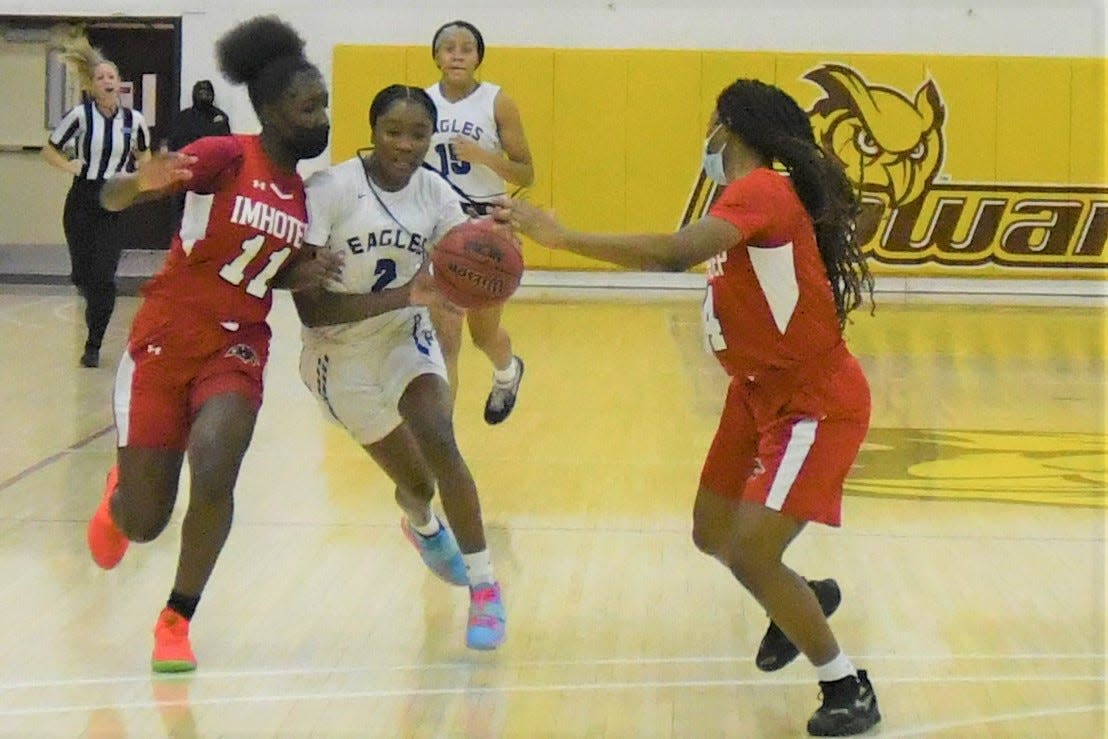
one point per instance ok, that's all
(428, 529)
(506, 375)
(479, 567)
(836, 669)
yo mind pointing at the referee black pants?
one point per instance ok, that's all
(93, 237)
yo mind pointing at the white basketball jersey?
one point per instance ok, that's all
(383, 235)
(473, 117)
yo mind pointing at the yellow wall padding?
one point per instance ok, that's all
(616, 135)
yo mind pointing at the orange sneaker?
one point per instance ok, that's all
(172, 651)
(106, 542)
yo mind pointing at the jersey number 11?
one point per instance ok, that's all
(235, 270)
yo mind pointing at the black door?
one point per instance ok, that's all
(141, 47)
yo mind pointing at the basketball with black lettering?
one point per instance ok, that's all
(477, 264)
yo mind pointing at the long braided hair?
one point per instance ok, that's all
(771, 122)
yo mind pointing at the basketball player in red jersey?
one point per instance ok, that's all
(191, 378)
(784, 270)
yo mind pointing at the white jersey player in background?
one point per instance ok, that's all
(370, 353)
(478, 145)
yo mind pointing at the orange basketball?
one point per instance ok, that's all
(476, 264)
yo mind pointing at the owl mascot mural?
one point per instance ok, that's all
(889, 144)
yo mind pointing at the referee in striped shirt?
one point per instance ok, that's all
(104, 138)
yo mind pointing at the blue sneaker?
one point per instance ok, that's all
(486, 617)
(439, 552)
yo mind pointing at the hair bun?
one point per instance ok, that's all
(246, 49)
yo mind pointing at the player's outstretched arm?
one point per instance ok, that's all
(155, 177)
(649, 252)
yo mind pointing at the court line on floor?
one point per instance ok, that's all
(1003, 718)
(682, 530)
(510, 689)
(47, 461)
(531, 664)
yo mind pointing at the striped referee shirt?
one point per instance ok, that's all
(105, 145)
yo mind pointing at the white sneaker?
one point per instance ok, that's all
(502, 397)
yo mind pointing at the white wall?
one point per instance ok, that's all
(994, 27)
(1002, 27)
(1069, 27)
(1016, 27)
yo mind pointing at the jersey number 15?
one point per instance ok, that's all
(449, 163)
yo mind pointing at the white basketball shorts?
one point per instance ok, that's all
(358, 373)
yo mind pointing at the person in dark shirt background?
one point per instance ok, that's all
(202, 119)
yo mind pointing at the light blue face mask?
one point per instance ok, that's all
(712, 162)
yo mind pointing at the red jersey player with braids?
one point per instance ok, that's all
(784, 270)
(191, 378)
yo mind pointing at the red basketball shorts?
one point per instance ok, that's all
(166, 375)
(793, 455)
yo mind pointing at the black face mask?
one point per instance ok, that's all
(308, 143)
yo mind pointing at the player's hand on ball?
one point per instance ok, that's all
(422, 289)
(477, 263)
(536, 223)
(500, 219)
(501, 214)
(500, 209)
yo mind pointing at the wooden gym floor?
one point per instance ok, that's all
(972, 556)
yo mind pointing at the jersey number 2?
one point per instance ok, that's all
(235, 270)
(385, 272)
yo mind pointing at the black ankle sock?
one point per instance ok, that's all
(183, 604)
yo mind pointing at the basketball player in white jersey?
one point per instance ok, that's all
(370, 353)
(478, 146)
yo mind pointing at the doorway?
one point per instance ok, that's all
(148, 54)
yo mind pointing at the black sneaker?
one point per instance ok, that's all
(849, 707)
(91, 357)
(502, 397)
(776, 650)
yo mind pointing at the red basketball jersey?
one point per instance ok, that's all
(244, 222)
(769, 304)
